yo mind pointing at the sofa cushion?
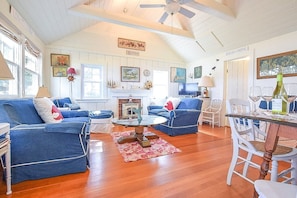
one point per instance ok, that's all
(188, 103)
(61, 101)
(171, 103)
(47, 110)
(21, 111)
(72, 106)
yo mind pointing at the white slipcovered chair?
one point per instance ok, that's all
(243, 134)
(212, 114)
(270, 189)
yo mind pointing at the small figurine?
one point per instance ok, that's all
(138, 113)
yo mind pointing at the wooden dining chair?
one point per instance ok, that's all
(271, 189)
(243, 135)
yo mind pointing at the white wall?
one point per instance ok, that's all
(276, 45)
(98, 45)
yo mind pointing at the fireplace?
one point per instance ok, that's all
(125, 107)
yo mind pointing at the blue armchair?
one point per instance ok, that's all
(182, 120)
(42, 150)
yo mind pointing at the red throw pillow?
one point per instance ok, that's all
(169, 105)
(57, 115)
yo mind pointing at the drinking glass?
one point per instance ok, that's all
(255, 95)
(291, 89)
(267, 93)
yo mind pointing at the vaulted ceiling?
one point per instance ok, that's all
(216, 27)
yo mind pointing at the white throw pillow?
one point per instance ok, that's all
(47, 110)
(171, 103)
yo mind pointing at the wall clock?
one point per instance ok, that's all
(146, 72)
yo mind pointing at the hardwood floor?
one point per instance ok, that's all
(198, 171)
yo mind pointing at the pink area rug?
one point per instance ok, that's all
(133, 151)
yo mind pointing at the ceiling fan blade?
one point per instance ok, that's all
(163, 17)
(186, 12)
(181, 2)
(151, 5)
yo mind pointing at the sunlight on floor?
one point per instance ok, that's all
(97, 146)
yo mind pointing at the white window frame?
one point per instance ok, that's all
(97, 80)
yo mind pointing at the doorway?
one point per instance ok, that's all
(236, 81)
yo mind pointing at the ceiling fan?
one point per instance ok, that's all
(171, 7)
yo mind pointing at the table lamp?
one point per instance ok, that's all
(205, 82)
(5, 73)
(43, 92)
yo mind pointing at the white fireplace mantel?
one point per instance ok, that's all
(129, 92)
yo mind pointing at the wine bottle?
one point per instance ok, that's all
(280, 97)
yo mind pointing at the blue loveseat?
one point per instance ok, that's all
(40, 150)
(182, 120)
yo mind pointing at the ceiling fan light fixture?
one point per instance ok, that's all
(172, 8)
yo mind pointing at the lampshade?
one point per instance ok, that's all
(71, 71)
(205, 81)
(43, 92)
(5, 73)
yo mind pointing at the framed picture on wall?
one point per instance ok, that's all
(198, 72)
(178, 74)
(60, 71)
(267, 67)
(60, 60)
(130, 74)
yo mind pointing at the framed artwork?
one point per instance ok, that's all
(178, 74)
(267, 67)
(60, 60)
(198, 72)
(131, 44)
(60, 71)
(130, 74)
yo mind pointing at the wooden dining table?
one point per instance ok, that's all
(280, 126)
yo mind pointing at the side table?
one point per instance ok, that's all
(5, 150)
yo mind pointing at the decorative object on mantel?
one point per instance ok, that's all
(111, 84)
(131, 44)
(191, 75)
(205, 82)
(5, 71)
(148, 84)
(71, 71)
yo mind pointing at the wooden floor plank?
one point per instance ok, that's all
(200, 170)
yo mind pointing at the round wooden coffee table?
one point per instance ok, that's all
(147, 120)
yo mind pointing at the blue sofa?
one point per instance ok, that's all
(182, 120)
(40, 150)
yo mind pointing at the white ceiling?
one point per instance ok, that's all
(213, 30)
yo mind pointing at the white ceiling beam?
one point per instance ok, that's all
(212, 7)
(126, 20)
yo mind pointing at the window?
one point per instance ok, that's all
(31, 77)
(26, 73)
(11, 53)
(92, 81)
(160, 84)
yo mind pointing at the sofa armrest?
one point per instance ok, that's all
(66, 127)
(150, 107)
(184, 117)
(75, 113)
